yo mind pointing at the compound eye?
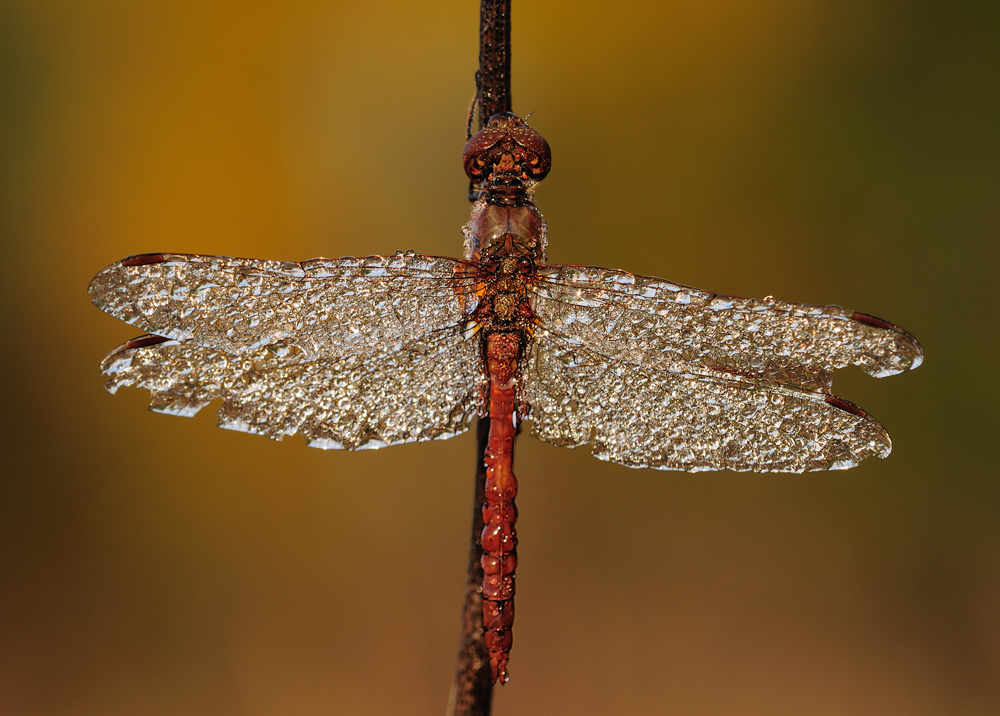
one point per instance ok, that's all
(474, 156)
(539, 156)
(474, 168)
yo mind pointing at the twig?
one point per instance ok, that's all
(472, 690)
(493, 78)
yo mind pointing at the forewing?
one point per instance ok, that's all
(327, 308)
(661, 375)
(647, 321)
(427, 389)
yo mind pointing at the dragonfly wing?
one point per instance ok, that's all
(324, 307)
(661, 375)
(350, 353)
(671, 418)
(427, 389)
(649, 321)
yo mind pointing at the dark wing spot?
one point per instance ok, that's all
(871, 320)
(143, 341)
(846, 405)
(143, 259)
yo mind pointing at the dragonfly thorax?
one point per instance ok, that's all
(495, 229)
(504, 303)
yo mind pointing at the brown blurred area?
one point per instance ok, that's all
(825, 152)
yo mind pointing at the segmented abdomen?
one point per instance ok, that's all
(499, 539)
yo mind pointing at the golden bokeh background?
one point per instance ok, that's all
(819, 151)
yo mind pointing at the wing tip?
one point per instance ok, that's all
(881, 434)
(908, 356)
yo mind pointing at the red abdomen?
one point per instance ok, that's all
(499, 538)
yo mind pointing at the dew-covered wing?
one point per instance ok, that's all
(649, 321)
(427, 389)
(324, 307)
(645, 416)
(350, 353)
(660, 375)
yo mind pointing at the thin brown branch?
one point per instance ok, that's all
(493, 78)
(472, 690)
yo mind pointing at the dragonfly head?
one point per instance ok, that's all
(507, 153)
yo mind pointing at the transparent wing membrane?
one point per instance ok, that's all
(649, 321)
(350, 353)
(642, 416)
(427, 389)
(660, 375)
(325, 307)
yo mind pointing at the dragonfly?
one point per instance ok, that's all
(357, 353)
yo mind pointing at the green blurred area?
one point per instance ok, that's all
(824, 152)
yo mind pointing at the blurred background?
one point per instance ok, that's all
(820, 151)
